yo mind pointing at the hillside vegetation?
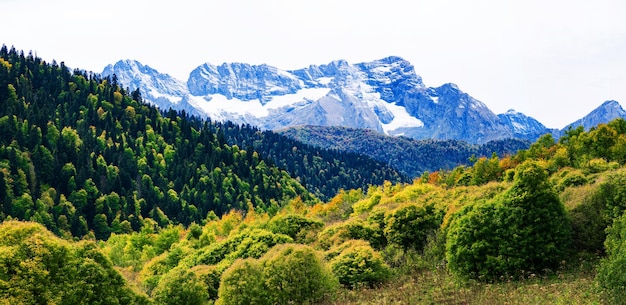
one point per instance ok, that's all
(81, 155)
(122, 211)
(322, 170)
(409, 156)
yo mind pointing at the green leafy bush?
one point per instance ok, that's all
(242, 284)
(611, 274)
(287, 274)
(210, 276)
(589, 223)
(360, 265)
(409, 225)
(248, 243)
(598, 210)
(181, 286)
(296, 274)
(573, 177)
(613, 194)
(152, 271)
(298, 227)
(336, 250)
(351, 229)
(523, 230)
(37, 267)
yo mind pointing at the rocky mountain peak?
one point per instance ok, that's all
(384, 95)
(608, 111)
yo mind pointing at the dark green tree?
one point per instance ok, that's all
(524, 230)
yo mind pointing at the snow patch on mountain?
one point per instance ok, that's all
(401, 119)
(304, 95)
(385, 95)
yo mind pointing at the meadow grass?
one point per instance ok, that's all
(574, 284)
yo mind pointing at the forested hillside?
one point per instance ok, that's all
(79, 154)
(322, 170)
(409, 156)
(83, 142)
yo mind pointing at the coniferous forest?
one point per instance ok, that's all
(107, 200)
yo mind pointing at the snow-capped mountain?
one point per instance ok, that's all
(523, 126)
(385, 95)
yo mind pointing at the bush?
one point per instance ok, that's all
(613, 194)
(180, 286)
(152, 271)
(295, 226)
(589, 223)
(295, 274)
(523, 230)
(336, 250)
(360, 265)
(288, 274)
(210, 276)
(351, 229)
(409, 226)
(611, 274)
(591, 218)
(248, 243)
(37, 267)
(572, 177)
(242, 284)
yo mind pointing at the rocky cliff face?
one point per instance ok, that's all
(525, 127)
(385, 95)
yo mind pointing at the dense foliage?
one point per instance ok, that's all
(612, 270)
(323, 171)
(523, 230)
(288, 274)
(37, 267)
(357, 264)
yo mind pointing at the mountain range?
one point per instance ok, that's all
(385, 95)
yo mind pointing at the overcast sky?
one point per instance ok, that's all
(553, 60)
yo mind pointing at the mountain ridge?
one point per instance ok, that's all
(385, 95)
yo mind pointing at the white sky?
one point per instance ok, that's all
(554, 60)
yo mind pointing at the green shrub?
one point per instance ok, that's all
(181, 286)
(287, 274)
(210, 276)
(597, 165)
(589, 223)
(248, 243)
(368, 204)
(409, 225)
(591, 218)
(570, 178)
(152, 271)
(295, 274)
(613, 194)
(336, 250)
(37, 267)
(523, 230)
(360, 265)
(295, 226)
(351, 229)
(242, 284)
(611, 274)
